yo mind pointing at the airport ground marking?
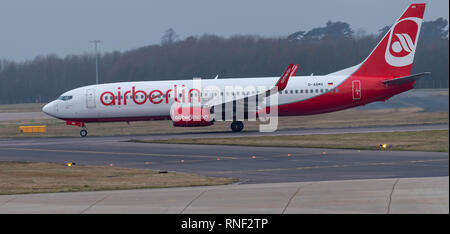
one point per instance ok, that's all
(117, 153)
(333, 166)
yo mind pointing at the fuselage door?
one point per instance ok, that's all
(356, 89)
(90, 98)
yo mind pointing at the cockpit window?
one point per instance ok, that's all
(65, 98)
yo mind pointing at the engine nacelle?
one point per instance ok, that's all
(191, 116)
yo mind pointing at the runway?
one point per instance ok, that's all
(271, 179)
(248, 164)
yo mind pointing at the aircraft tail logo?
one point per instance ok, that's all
(402, 40)
(394, 54)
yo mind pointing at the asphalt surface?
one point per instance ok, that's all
(375, 196)
(249, 164)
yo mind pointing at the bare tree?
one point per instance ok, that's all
(46, 77)
(169, 37)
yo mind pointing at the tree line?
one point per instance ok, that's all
(319, 51)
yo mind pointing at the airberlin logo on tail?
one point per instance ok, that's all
(402, 42)
(405, 43)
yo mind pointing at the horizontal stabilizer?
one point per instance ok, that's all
(406, 79)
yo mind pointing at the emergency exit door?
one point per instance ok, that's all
(90, 98)
(356, 87)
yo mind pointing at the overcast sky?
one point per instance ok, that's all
(30, 28)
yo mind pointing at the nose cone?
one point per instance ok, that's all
(50, 109)
(46, 109)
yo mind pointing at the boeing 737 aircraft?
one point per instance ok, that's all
(383, 74)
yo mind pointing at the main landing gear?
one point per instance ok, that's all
(83, 132)
(237, 126)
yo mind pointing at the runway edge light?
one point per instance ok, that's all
(382, 146)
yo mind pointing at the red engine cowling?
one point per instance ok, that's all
(191, 117)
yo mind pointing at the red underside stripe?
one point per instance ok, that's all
(321, 104)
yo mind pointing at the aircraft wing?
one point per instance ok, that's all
(281, 84)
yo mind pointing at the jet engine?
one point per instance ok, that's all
(191, 116)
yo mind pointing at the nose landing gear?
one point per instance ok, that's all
(83, 131)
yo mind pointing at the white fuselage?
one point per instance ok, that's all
(94, 102)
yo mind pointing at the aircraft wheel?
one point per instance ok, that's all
(237, 126)
(83, 133)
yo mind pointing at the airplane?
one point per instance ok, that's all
(384, 73)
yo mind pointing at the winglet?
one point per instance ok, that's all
(283, 81)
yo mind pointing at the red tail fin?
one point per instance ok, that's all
(394, 55)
